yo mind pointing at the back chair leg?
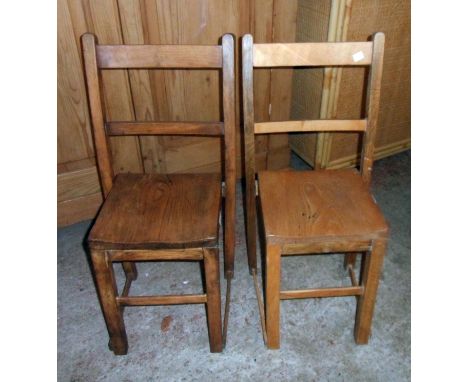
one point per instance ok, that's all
(107, 290)
(213, 294)
(370, 275)
(130, 270)
(273, 281)
(350, 259)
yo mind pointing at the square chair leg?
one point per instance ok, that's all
(273, 281)
(213, 295)
(107, 290)
(130, 270)
(371, 267)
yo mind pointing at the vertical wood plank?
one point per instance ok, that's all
(117, 93)
(394, 129)
(74, 139)
(261, 27)
(284, 30)
(152, 149)
(312, 26)
(328, 79)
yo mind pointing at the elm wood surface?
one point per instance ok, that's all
(320, 211)
(161, 217)
(316, 125)
(160, 56)
(312, 54)
(320, 205)
(150, 211)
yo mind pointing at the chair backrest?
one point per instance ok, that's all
(101, 57)
(308, 54)
(314, 54)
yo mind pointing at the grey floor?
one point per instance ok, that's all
(170, 343)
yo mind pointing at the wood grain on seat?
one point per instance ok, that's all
(159, 211)
(318, 205)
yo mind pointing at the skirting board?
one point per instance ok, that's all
(78, 209)
(380, 152)
(352, 160)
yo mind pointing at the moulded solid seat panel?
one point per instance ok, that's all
(319, 205)
(159, 211)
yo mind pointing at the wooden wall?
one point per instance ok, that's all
(394, 129)
(312, 26)
(160, 94)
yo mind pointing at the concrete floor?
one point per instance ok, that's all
(317, 334)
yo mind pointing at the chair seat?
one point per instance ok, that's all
(150, 211)
(318, 205)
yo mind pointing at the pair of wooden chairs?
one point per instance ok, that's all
(147, 217)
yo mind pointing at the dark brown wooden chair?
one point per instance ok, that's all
(315, 211)
(161, 216)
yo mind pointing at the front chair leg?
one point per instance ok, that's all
(213, 296)
(107, 290)
(371, 267)
(130, 270)
(273, 281)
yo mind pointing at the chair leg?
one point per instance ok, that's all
(273, 281)
(371, 267)
(107, 290)
(350, 259)
(229, 227)
(213, 294)
(251, 223)
(130, 270)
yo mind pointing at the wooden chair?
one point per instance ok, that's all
(155, 216)
(315, 211)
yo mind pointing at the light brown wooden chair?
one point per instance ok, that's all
(314, 211)
(155, 216)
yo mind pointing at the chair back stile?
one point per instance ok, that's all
(96, 103)
(229, 111)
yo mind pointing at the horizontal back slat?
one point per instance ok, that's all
(165, 128)
(312, 125)
(312, 54)
(159, 56)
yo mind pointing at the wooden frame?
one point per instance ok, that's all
(98, 57)
(373, 244)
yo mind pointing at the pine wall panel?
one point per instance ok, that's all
(159, 94)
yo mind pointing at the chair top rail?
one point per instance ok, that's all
(159, 56)
(310, 125)
(312, 54)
